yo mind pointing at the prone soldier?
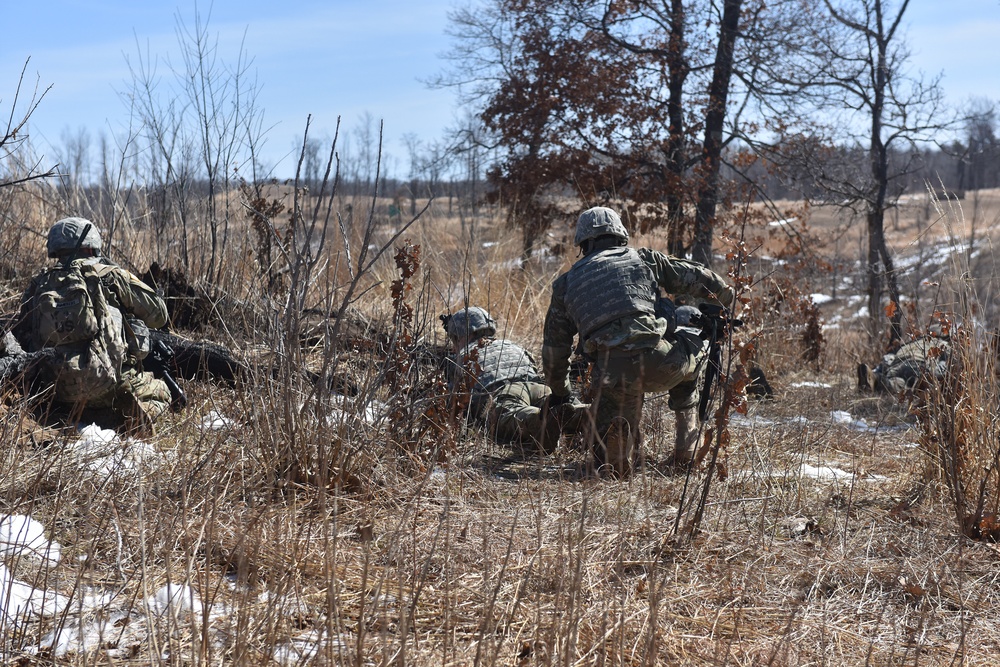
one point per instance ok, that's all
(506, 392)
(902, 372)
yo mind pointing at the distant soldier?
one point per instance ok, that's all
(506, 392)
(608, 299)
(903, 371)
(92, 318)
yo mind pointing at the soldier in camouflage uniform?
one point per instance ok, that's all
(902, 371)
(130, 306)
(506, 392)
(608, 299)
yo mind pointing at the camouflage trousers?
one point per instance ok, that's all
(624, 377)
(513, 413)
(151, 395)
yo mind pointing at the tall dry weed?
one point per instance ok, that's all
(959, 411)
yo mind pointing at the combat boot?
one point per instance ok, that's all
(686, 440)
(617, 452)
(866, 379)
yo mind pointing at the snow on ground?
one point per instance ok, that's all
(844, 418)
(825, 472)
(175, 600)
(20, 601)
(215, 421)
(102, 452)
(23, 536)
(811, 384)
(303, 648)
(346, 409)
(783, 222)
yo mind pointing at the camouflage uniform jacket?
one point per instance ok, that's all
(637, 332)
(487, 363)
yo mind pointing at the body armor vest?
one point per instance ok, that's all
(607, 285)
(499, 361)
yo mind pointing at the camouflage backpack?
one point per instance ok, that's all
(71, 315)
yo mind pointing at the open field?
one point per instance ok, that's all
(271, 521)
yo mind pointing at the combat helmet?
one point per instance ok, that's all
(472, 322)
(71, 234)
(598, 221)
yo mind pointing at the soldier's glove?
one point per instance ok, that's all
(688, 316)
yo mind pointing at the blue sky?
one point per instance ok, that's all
(346, 58)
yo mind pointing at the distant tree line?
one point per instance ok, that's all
(666, 109)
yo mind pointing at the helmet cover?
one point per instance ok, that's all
(70, 234)
(598, 221)
(472, 321)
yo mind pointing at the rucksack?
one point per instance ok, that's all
(71, 314)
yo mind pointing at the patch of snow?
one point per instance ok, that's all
(20, 601)
(824, 472)
(301, 649)
(817, 385)
(736, 419)
(215, 421)
(862, 312)
(831, 473)
(489, 244)
(174, 598)
(820, 299)
(74, 637)
(843, 418)
(347, 409)
(100, 451)
(782, 223)
(23, 536)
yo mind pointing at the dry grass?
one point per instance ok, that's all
(311, 536)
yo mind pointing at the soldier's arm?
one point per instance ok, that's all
(680, 276)
(136, 297)
(557, 342)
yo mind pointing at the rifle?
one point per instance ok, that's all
(716, 325)
(159, 362)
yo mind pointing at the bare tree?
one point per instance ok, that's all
(16, 165)
(869, 101)
(200, 132)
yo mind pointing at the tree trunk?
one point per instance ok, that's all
(879, 261)
(718, 95)
(676, 155)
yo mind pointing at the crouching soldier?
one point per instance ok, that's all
(89, 320)
(608, 299)
(904, 371)
(506, 392)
